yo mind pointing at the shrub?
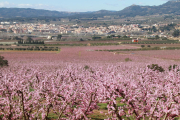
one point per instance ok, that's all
(142, 46)
(156, 48)
(127, 59)
(156, 67)
(86, 67)
(3, 62)
(148, 46)
(174, 67)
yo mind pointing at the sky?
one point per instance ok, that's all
(77, 5)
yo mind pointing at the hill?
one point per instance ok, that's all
(28, 12)
(170, 7)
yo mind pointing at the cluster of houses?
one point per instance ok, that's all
(18, 28)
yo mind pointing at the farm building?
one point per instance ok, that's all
(134, 40)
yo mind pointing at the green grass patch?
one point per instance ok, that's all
(31, 89)
(97, 115)
(153, 42)
(52, 116)
(102, 106)
(127, 59)
(143, 49)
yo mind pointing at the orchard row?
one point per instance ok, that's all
(74, 91)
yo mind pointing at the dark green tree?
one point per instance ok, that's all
(167, 27)
(112, 36)
(59, 37)
(16, 38)
(142, 46)
(3, 62)
(173, 67)
(108, 36)
(29, 39)
(3, 30)
(81, 39)
(125, 36)
(154, 29)
(156, 37)
(118, 36)
(175, 33)
(95, 37)
(156, 67)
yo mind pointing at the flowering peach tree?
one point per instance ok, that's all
(73, 92)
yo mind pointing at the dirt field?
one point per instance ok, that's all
(89, 55)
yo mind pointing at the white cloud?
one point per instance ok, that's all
(25, 5)
(35, 6)
(6, 4)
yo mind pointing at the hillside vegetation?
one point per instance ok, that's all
(170, 7)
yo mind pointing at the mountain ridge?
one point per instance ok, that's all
(170, 7)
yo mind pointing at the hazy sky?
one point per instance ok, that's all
(77, 5)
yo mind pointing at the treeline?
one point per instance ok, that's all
(112, 37)
(96, 37)
(153, 42)
(33, 49)
(89, 44)
(30, 42)
(103, 44)
(167, 27)
(143, 49)
(140, 49)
